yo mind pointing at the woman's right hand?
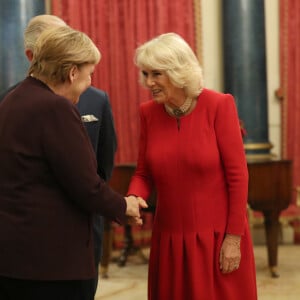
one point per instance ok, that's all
(133, 207)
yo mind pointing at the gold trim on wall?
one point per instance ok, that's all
(298, 196)
(48, 7)
(198, 29)
(259, 157)
(258, 146)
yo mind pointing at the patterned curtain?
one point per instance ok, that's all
(289, 91)
(118, 27)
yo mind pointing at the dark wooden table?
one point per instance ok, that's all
(270, 191)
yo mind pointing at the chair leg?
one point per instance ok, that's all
(107, 248)
(128, 245)
(129, 248)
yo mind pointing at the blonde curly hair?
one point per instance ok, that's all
(170, 53)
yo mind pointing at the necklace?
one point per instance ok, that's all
(180, 111)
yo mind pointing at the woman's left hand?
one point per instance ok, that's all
(230, 255)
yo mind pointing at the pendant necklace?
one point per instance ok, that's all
(179, 111)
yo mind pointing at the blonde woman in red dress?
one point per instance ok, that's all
(191, 151)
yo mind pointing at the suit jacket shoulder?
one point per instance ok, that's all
(96, 112)
(3, 94)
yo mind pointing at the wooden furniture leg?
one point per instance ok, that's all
(107, 242)
(272, 227)
(129, 248)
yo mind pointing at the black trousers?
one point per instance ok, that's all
(16, 289)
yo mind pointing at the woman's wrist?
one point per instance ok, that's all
(233, 239)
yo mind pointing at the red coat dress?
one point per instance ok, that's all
(199, 170)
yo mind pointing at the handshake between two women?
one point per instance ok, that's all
(134, 204)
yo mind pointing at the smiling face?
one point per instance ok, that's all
(162, 89)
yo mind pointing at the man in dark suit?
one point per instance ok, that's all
(96, 114)
(95, 110)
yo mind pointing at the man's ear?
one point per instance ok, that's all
(73, 73)
(29, 54)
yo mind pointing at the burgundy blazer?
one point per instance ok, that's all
(49, 188)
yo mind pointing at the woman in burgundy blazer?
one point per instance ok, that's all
(49, 185)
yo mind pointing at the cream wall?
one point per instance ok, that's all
(212, 58)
